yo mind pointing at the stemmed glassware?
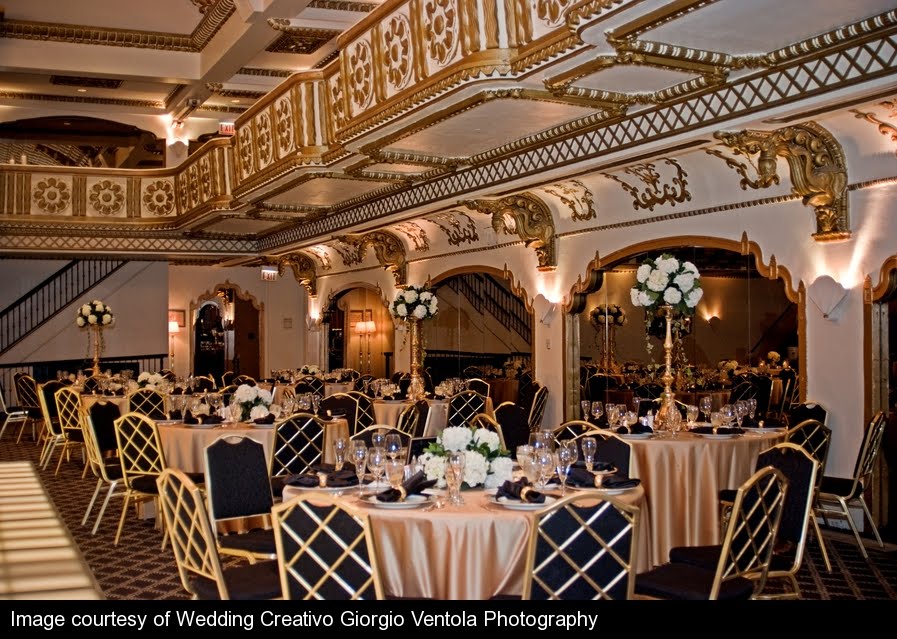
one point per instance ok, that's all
(378, 438)
(741, 409)
(454, 476)
(597, 410)
(376, 462)
(393, 444)
(359, 455)
(691, 414)
(564, 458)
(316, 402)
(752, 407)
(728, 412)
(706, 405)
(339, 451)
(546, 463)
(395, 472)
(586, 407)
(589, 448)
(613, 414)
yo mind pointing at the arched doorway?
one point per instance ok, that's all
(749, 310)
(360, 332)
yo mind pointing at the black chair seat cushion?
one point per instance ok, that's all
(147, 483)
(75, 435)
(701, 556)
(258, 540)
(260, 580)
(841, 486)
(113, 468)
(728, 495)
(277, 486)
(684, 581)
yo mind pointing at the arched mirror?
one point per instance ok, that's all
(744, 327)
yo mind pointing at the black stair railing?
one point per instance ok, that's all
(488, 296)
(26, 314)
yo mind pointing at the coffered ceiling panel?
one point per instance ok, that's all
(326, 191)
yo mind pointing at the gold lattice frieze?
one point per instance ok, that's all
(42, 97)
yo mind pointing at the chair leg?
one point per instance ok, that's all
(871, 521)
(853, 527)
(62, 454)
(93, 500)
(818, 531)
(121, 520)
(112, 486)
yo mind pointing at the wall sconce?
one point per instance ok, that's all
(827, 294)
(714, 322)
(172, 329)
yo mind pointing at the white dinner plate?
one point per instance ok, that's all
(169, 422)
(264, 425)
(614, 491)
(637, 436)
(411, 501)
(202, 426)
(718, 436)
(513, 504)
(324, 489)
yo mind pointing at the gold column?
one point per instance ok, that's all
(668, 416)
(416, 389)
(97, 346)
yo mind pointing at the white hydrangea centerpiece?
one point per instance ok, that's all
(254, 402)
(486, 463)
(667, 281)
(149, 380)
(414, 301)
(95, 313)
(610, 314)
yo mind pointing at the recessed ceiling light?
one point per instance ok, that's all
(66, 124)
(82, 90)
(235, 101)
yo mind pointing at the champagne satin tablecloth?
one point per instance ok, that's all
(387, 413)
(682, 477)
(469, 552)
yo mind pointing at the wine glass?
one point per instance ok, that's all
(586, 407)
(573, 450)
(706, 405)
(728, 412)
(454, 475)
(597, 410)
(395, 472)
(376, 462)
(339, 451)
(636, 402)
(378, 438)
(691, 414)
(316, 402)
(613, 415)
(562, 466)
(359, 455)
(589, 447)
(546, 463)
(741, 409)
(752, 407)
(393, 443)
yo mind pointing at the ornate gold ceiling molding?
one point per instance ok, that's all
(218, 89)
(388, 248)
(883, 127)
(415, 233)
(576, 196)
(211, 22)
(458, 227)
(654, 194)
(817, 165)
(42, 97)
(303, 268)
(267, 73)
(527, 216)
(343, 5)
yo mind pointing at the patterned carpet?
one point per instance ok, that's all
(138, 569)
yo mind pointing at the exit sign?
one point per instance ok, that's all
(226, 128)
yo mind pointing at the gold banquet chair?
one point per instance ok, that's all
(68, 407)
(325, 549)
(298, 445)
(149, 402)
(583, 547)
(193, 542)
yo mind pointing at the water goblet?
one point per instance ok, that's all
(741, 409)
(393, 443)
(589, 447)
(573, 451)
(716, 420)
(586, 407)
(395, 472)
(613, 415)
(546, 464)
(562, 467)
(376, 462)
(691, 414)
(316, 402)
(597, 411)
(728, 411)
(706, 405)
(454, 471)
(636, 402)
(359, 455)
(752, 407)
(339, 451)
(378, 438)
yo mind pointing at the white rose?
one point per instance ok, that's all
(244, 393)
(456, 437)
(475, 468)
(144, 376)
(402, 310)
(500, 470)
(634, 296)
(85, 310)
(80, 321)
(258, 412)
(668, 265)
(92, 319)
(642, 273)
(693, 297)
(672, 296)
(644, 298)
(426, 295)
(420, 311)
(658, 280)
(486, 436)
(265, 396)
(690, 268)
(433, 306)
(685, 282)
(107, 319)
(410, 296)
(434, 467)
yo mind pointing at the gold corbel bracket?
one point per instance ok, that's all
(527, 216)
(303, 268)
(817, 165)
(388, 248)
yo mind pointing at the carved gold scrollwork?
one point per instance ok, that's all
(456, 232)
(883, 127)
(416, 234)
(303, 268)
(52, 195)
(323, 256)
(388, 248)
(283, 114)
(263, 138)
(526, 216)
(818, 170)
(397, 51)
(361, 74)
(551, 12)
(441, 29)
(159, 198)
(106, 197)
(655, 194)
(575, 195)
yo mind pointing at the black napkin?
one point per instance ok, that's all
(267, 419)
(635, 429)
(334, 479)
(189, 418)
(619, 481)
(515, 490)
(599, 466)
(581, 478)
(722, 430)
(175, 414)
(177, 391)
(438, 396)
(210, 419)
(774, 422)
(415, 484)
(750, 422)
(388, 398)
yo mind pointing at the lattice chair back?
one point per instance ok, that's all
(298, 445)
(194, 544)
(147, 401)
(571, 430)
(871, 446)
(479, 385)
(648, 391)
(751, 533)
(139, 447)
(325, 550)
(514, 425)
(316, 384)
(68, 407)
(341, 403)
(583, 548)
(239, 380)
(537, 411)
(814, 437)
(484, 421)
(237, 480)
(744, 390)
(409, 419)
(807, 410)
(203, 383)
(463, 406)
(364, 410)
(26, 392)
(47, 400)
(91, 385)
(227, 378)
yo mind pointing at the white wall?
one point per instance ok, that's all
(17, 277)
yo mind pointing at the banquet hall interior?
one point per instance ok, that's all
(251, 190)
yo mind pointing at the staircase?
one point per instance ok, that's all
(488, 296)
(777, 335)
(29, 312)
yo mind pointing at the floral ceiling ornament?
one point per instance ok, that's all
(655, 193)
(388, 248)
(106, 197)
(158, 198)
(817, 166)
(527, 216)
(52, 195)
(303, 268)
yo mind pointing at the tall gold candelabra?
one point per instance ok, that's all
(668, 416)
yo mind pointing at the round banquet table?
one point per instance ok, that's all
(469, 552)
(682, 477)
(184, 445)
